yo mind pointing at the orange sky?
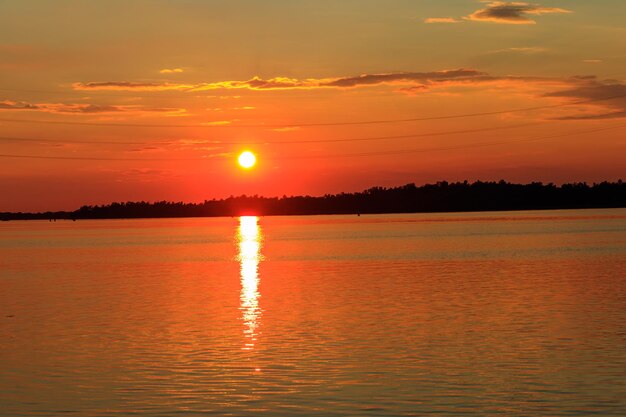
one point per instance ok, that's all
(153, 100)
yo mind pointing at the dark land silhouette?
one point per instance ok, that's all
(409, 198)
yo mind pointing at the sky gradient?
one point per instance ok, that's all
(153, 100)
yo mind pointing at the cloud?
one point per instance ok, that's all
(218, 123)
(80, 108)
(282, 83)
(591, 99)
(592, 61)
(590, 88)
(441, 20)
(286, 129)
(509, 83)
(413, 90)
(587, 94)
(602, 116)
(83, 108)
(171, 71)
(257, 83)
(515, 13)
(402, 77)
(285, 83)
(130, 86)
(17, 105)
(579, 88)
(521, 50)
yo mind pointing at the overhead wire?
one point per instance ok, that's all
(316, 124)
(362, 154)
(469, 146)
(281, 142)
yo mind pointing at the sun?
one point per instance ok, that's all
(246, 160)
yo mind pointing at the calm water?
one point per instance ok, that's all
(516, 314)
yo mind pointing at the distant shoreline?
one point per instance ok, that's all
(441, 197)
(67, 219)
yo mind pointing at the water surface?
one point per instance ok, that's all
(516, 314)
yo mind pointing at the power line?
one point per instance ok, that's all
(459, 116)
(322, 124)
(469, 146)
(375, 138)
(362, 154)
(281, 142)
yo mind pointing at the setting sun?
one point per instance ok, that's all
(247, 159)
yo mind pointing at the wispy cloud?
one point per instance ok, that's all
(83, 108)
(601, 116)
(171, 71)
(285, 83)
(407, 81)
(17, 105)
(590, 88)
(130, 86)
(286, 129)
(401, 77)
(509, 82)
(516, 13)
(441, 20)
(594, 99)
(581, 88)
(218, 123)
(521, 50)
(588, 93)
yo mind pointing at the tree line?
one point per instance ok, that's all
(439, 197)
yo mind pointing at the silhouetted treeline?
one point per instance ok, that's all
(439, 197)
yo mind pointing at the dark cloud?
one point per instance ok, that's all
(603, 116)
(284, 83)
(587, 89)
(257, 83)
(415, 89)
(609, 95)
(371, 79)
(516, 13)
(13, 105)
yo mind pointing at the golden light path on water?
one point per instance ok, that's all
(249, 238)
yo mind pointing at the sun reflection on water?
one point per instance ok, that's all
(249, 238)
